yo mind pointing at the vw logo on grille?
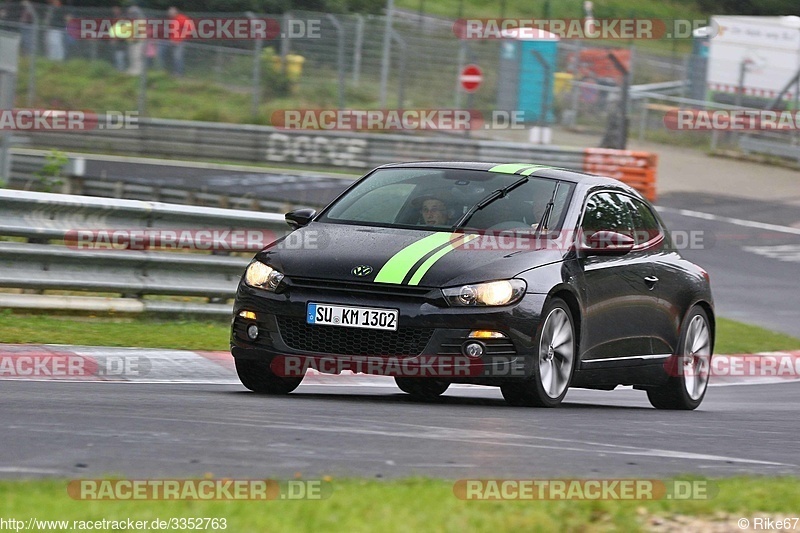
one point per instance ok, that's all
(362, 270)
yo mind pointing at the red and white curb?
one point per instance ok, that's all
(56, 362)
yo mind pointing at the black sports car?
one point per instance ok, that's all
(530, 278)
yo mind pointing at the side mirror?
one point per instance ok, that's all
(607, 243)
(299, 217)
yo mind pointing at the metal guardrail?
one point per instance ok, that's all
(187, 139)
(756, 145)
(137, 274)
(26, 164)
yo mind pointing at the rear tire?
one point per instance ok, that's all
(553, 364)
(689, 370)
(259, 378)
(422, 388)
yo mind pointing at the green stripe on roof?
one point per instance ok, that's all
(534, 168)
(398, 266)
(510, 168)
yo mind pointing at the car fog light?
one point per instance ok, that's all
(252, 332)
(486, 334)
(473, 349)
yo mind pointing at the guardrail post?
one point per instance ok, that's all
(643, 118)
(9, 52)
(339, 56)
(256, 100)
(285, 42)
(387, 52)
(402, 75)
(357, 48)
(34, 49)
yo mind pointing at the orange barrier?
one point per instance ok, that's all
(637, 169)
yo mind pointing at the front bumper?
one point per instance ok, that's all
(428, 342)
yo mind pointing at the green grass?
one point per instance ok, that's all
(98, 86)
(736, 337)
(732, 337)
(110, 331)
(410, 505)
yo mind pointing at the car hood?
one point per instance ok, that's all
(404, 256)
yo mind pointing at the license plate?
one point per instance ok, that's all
(352, 317)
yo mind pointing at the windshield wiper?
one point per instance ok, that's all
(543, 223)
(499, 193)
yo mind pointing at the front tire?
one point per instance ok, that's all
(259, 378)
(689, 369)
(422, 388)
(554, 363)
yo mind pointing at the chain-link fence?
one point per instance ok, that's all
(317, 60)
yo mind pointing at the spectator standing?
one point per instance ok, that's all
(117, 41)
(136, 44)
(28, 20)
(56, 23)
(177, 38)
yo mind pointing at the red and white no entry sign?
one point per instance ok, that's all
(471, 78)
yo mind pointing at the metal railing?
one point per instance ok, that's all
(52, 259)
(26, 174)
(187, 139)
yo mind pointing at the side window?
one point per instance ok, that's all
(645, 223)
(607, 211)
(378, 205)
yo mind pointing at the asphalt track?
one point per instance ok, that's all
(163, 430)
(80, 429)
(751, 250)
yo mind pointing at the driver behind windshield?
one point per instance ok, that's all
(434, 210)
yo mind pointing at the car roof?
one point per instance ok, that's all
(564, 174)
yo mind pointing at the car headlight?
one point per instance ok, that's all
(262, 276)
(492, 293)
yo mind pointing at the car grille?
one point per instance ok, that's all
(352, 341)
(382, 289)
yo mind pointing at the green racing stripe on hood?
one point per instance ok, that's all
(424, 267)
(397, 267)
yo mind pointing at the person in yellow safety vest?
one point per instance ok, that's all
(120, 29)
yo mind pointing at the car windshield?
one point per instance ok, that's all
(431, 198)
